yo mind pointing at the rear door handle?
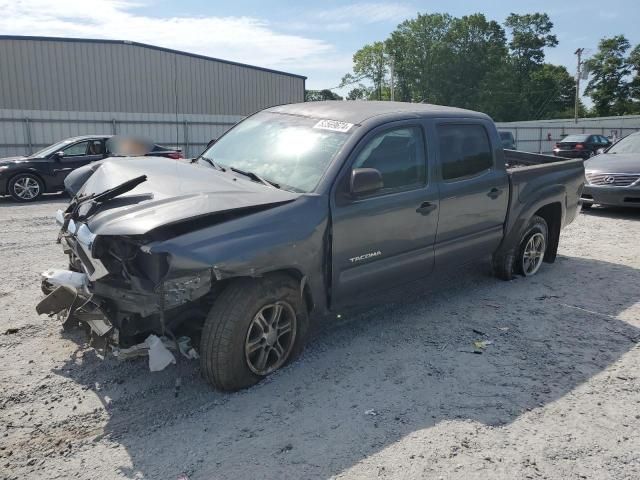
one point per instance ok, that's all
(494, 193)
(426, 208)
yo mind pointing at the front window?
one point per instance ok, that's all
(56, 147)
(291, 151)
(630, 144)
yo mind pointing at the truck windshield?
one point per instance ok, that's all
(290, 151)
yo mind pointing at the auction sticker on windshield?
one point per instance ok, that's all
(334, 125)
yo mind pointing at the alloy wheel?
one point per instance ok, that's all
(270, 338)
(533, 254)
(26, 188)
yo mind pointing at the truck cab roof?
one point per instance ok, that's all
(357, 112)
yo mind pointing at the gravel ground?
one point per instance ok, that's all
(393, 392)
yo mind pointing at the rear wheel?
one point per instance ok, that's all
(254, 328)
(25, 187)
(533, 247)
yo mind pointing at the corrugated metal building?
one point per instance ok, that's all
(56, 87)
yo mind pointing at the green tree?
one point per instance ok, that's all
(361, 92)
(418, 50)
(530, 35)
(319, 95)
(370, 62)
(634, 85)
(609, 69)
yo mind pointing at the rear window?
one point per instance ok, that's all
(575, 138)
(464, 150)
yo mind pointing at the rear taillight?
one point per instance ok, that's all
(579, 146)
(175, 155)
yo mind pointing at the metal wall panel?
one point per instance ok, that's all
(25, 131)
(75, 75)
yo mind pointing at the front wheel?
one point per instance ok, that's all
(533, 247)
(254, 328)
(25, 187)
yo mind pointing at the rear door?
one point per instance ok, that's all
(386, 238)
(474, 192)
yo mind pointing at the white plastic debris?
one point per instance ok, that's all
(65, 278)
(371, 412)
(159, 356)
(187, 351)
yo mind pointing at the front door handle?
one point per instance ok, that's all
(426, 208)
(494, 193)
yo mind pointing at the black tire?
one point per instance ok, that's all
(18, 193)
(503, 265)
(226, 329)
(587, 205)
(537, 225)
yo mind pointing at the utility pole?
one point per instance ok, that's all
(578, 52)
(392, 79)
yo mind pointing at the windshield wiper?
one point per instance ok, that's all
(255, 177)
(97, 198)
(210, 162)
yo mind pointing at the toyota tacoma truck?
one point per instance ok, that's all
(295, 214)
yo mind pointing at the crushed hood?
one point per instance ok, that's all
(175, 192)
(614, 163)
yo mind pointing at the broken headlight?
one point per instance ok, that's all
(176, 291)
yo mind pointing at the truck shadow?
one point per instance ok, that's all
(367, 381)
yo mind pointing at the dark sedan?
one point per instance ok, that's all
(580, 146)
(26, 178)
(613, 178)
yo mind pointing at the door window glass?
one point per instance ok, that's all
(96, 147)
(76, 149)
(464, 150)
(398, 155)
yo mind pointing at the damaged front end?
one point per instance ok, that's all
(119, 289)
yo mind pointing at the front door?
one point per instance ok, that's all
(76, 156)
(386, 238)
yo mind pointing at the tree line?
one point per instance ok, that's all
(475, 63)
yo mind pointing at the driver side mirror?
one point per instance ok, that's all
(365, 181)
(599, 151)
(58, 155)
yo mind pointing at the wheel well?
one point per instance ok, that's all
(552, 214)
(301, 279)
(290, 272)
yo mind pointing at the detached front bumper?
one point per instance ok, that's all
(614, 196)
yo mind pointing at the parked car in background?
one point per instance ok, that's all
(507, 140)
(26, 178)
(300, 211)
(613, 178)
(581, 146)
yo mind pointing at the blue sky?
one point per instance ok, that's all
(316, 39)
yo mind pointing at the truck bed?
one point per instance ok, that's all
(536, 179)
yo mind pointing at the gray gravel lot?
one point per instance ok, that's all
(393, 392)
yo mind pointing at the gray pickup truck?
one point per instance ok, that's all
(298, 212)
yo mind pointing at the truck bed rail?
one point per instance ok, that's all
(517, 157)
